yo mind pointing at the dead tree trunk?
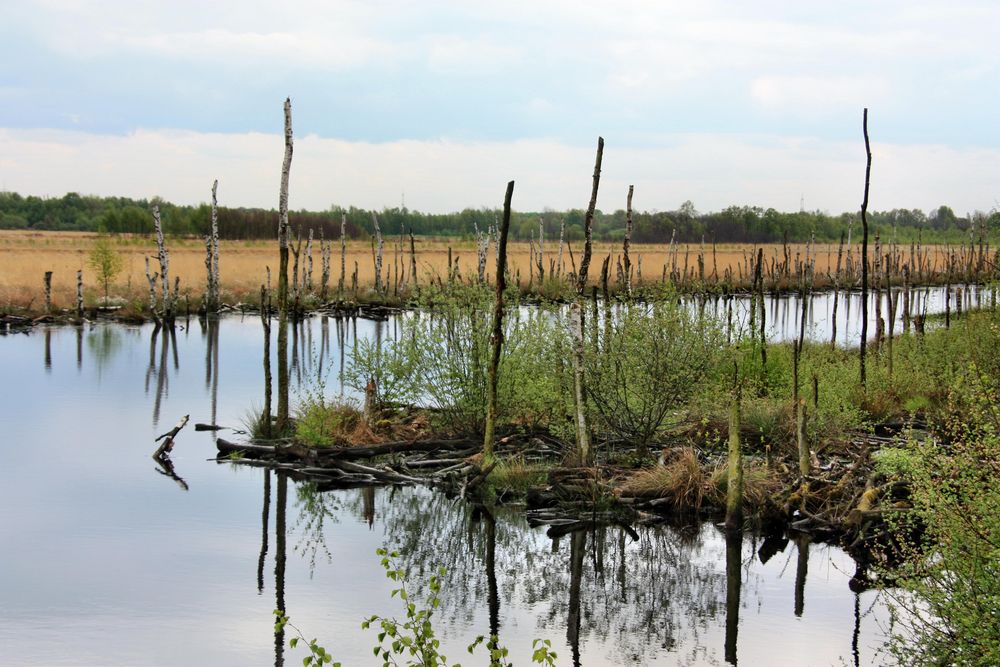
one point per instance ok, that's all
(378, 254)
(286, 165)
(212, 256)
(324, 251)
(413, 260)
(48, 291)
(167, 314)
(168, 438)
(265, 321)
(628, 242)
(864, 251)
(584, 454)
(734, 478)
(79, 291)
(836, 294)
(496, 338)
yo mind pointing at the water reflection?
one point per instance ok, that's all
(734, 580)
(677, 592)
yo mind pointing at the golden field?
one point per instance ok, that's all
(25, 257)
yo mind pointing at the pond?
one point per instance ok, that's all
(108, 559)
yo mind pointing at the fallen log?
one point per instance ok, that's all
(208, 427)
(246, 449)
(382, 474)
(370, 451)
(168, 438)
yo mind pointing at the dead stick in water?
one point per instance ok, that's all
(168, 437)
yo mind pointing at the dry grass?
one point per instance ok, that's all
(760, 486)
(681, 480)
(25, 256)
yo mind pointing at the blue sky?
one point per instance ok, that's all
(718, 102)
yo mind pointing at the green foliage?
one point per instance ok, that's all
(644, 365)
(952, 574)
(441, 357)
(106, 262)
(736, 224)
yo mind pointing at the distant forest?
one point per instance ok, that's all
(736, 224)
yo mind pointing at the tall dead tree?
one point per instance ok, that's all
(584, 454)
(496, 337)
(166, 297)
(324, 251)
(864, 250)
(286, 166)
(343, 255)
(307, 271)
(212, 256)
(627, 269)
(379, 244)
(734, 476)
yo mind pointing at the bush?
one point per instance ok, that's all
(953, 572)
(648, 361)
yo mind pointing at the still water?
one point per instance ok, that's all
(108, 560)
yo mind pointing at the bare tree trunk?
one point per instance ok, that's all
(265, 320)
(324, 250)
(308, 270)
(286, 165)
(562, 235)
(864, 252)
(413, 260)
(378, 254)
(836, 294)
(151, 277)
(628, 242)
(161, 250)
(800, 403)
(48, 292)
(212, 256)
(734, 478)
(496, 338)
(79, 290)
(343, 256)
(584, 454)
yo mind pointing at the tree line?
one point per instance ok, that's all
(735, 224)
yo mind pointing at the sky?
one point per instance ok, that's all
(438, 104)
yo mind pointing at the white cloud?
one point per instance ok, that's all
(714, 171)
(817, 94)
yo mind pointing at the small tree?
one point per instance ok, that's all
(106, 262)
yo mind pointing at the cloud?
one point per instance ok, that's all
(825, 95)
(712, 170)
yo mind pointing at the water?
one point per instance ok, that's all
(107, 560)
(783, 313)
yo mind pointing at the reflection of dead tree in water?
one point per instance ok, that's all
(265, 510)
(578, 545)
(368, 505)
(801, 570)
(162, 388)
(48, 349)
(734, 581)
(162, 453)
(279, 566)
(212, 365)
(166, 468)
